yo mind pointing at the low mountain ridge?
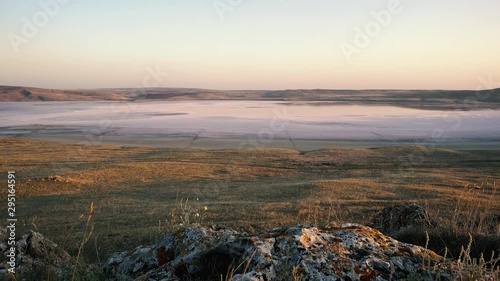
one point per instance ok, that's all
(426, 99)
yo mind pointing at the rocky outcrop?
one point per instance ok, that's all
(336, 252)
(34, 253)
(395, 218)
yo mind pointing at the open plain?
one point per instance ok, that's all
(141, 193)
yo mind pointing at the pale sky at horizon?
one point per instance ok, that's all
(259, 44)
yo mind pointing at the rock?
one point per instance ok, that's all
(395, 218)
(336, 252)
(34, 253)
(250, 276)
(55, 178)
(3, 239)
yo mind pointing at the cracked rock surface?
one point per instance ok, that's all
(336, 252)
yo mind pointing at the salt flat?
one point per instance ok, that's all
(260, 124)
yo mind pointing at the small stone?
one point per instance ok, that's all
(138, 266)
(382, 266)
(394, 218)
(397, 261)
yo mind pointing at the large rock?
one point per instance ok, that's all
(395, 218)
(34, 253)
(337, 252)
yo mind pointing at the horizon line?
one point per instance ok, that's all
(221, 90)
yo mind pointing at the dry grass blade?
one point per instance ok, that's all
(89, 229)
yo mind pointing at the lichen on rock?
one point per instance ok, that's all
(335, 252)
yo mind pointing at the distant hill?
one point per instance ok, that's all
(430, 99)
(8, 93)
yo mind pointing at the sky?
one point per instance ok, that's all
(250, 44)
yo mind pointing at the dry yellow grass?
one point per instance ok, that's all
(134, 189)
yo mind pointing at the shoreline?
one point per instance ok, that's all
(417, 99)
(301, 145)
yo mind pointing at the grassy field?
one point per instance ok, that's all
(140, 193)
